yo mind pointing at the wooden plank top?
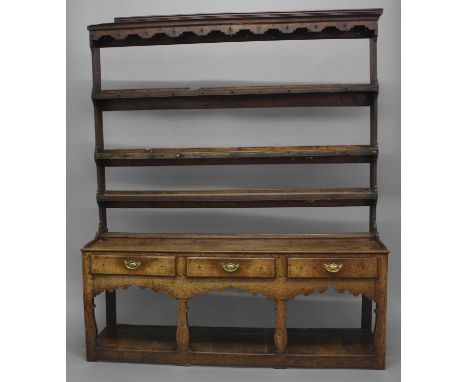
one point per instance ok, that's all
(359, 243)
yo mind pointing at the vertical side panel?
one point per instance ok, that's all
(380, 331)
(99, 135)
(96, 67)
(373, 133)
(88, 302)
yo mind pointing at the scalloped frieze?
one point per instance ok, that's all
(273, 289)
(230, 30)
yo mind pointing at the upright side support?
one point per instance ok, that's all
(111, 314)
(373, 132)
(366, 311)
(380, 331)
(99, 134)
(88, 302)
(182, 333)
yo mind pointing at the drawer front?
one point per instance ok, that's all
(331, 267)
(230, 267)
(133, 265)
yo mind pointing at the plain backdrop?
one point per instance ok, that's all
(219, 64)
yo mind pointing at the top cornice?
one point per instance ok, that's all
(183, 29)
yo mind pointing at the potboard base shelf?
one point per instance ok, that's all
(347, 348)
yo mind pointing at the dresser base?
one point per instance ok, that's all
(277, 267)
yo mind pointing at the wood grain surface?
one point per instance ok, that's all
(213, 267)
(148, 265)
(315, 267)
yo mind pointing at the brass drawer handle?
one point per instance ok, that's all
(333, 268)
(230, 267)
(131, 264)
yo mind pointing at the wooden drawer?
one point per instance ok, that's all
(332, 267)
(230, 267)
(133, 265)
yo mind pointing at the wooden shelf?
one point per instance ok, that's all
(236, 155)
(231, 345)
(238, 198)
(235, 27)
(236, 97)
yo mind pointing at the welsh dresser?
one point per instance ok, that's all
(278, 267)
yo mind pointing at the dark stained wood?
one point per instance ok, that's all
(229, 18)
(213, 28)
(96, 69)
(236, 97)
(237, 198)
(373, 131)
(237, 359)
(99, 134)
(113, 94)
(111, 308)
(316, 31)
(236, 155)
(278, 267)
(366, 314)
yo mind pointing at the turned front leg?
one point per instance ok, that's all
(182, 334)
(281, 334)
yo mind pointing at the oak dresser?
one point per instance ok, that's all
(278, 267)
